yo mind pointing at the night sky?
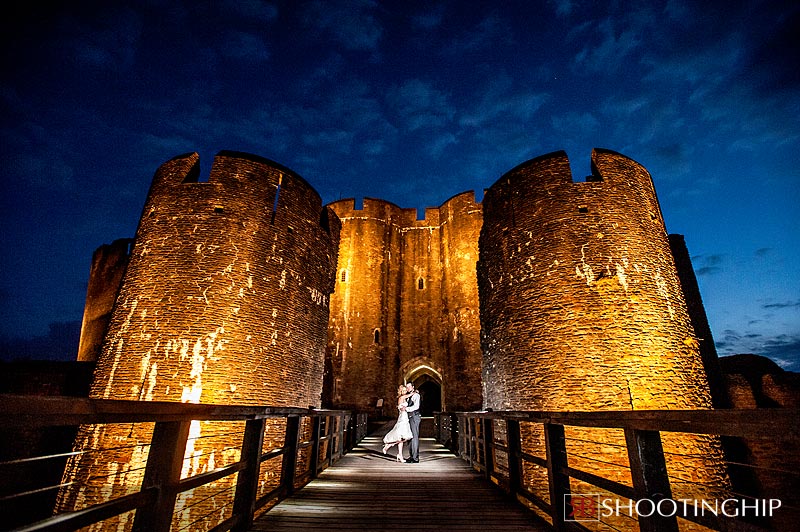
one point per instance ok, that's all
(407, 101)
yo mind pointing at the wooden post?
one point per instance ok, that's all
(290, 444)
(163, 471)
(340, 442)
(470, 441)
(560, 501)
(316, 424)
(650, 479)
(329, 432)
(352, 431)
(244, 502)
(487, 429)
(514, 441)
(463, 424)
(454, 437)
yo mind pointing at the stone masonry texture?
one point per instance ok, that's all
(224, 301)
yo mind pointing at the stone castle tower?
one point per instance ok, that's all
(578, 286)
(224, 301)
(405, 306)
(582, 310)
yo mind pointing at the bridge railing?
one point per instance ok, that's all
(760, 448)
(313, 439)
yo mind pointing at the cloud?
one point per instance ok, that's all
(488, 33)
(440, 143)
(252, 10)
(575, 123)
(614, 47)
(773, 61)
(43, 173)
(562, 8)
(244, 46)
(708, 264)
(502, 101)
(420, 105)
(336, 140)
(785, 350)
(352, 24)
(787, 304)
(108, 41)
(429, 20)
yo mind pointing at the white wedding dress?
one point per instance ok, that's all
(401, 430)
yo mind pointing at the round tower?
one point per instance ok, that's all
(581, 307)
(225, 301)
(577, 281)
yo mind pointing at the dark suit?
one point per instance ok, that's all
(414, 417)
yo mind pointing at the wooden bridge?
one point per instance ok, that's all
(367, 490)
(475, 470)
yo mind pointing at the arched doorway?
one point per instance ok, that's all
(428, 380)
(431, 395)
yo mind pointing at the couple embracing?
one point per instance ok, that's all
(407, 426)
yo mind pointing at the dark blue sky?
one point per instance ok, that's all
(408, 101)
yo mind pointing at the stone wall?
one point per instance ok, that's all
(697, 315)
(405, 305)
(225, 301)
(108, 266)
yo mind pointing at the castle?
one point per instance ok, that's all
(245, 289)
(401, 301)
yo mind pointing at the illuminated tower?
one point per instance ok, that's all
(224, 301)
(406, 304)
(581, 307)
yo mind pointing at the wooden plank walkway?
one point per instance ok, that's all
(366, 490)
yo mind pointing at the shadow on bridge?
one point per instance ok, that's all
(367, 490)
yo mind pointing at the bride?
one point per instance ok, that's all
(402, 430)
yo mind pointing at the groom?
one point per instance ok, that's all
(414, 417)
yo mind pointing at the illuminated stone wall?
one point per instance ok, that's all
(108, 266)
(364, 304)
(581, 302)
(406, 302)
(225, 301)
(581, 306)
(461, 220)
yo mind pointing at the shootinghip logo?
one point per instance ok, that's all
(595, 507)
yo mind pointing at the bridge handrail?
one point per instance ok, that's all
(155, 502)
(722, 422)
(472, 435)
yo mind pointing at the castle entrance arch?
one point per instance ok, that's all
(426, 378)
